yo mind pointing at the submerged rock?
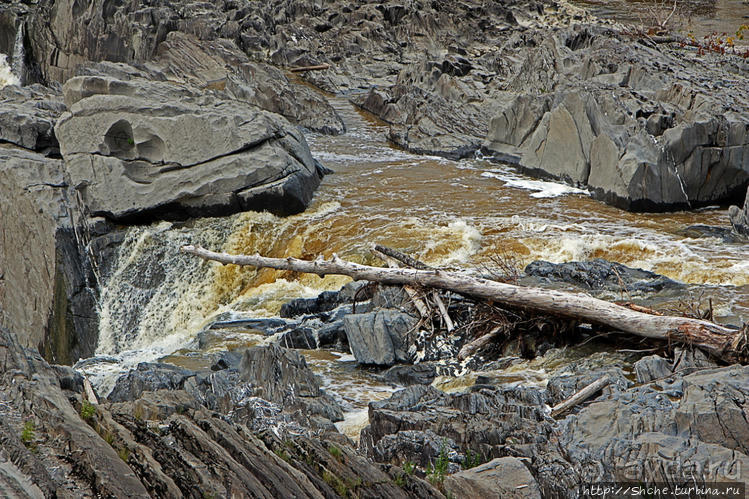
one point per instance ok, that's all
(740, 217)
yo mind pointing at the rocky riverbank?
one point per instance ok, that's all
(136, 113)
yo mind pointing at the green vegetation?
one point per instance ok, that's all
(124, 453)
(471, 460)
(335, 482)
(436, 474)
(88, 410)
(27, 435)
(409, 467)
(283, 454)
(400, 480)
(335, 452)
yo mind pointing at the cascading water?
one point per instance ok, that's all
(156, 300)
(6, 75)
(18, 60)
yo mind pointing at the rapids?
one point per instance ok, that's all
(455, 214)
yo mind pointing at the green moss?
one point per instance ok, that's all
(335, 452)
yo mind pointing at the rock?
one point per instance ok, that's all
(739, 217)
(489, 422)
(324, 302)
(380, 338)
(599, 275)
(643, 138)
(148, 377)
(651, 368)
(42, 261)
(124, 156)
(282, 376)
(499, 478)
(28, 116)
(416, 374)
(302, 337)
(725, 234)
(220, 65)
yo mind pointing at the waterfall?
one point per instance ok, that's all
(18, 59)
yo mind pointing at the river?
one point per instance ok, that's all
(456, 214)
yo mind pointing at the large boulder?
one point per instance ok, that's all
(609, 118)
(28, 116)
(138, 150)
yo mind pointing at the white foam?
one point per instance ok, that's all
(6, 75)
(543, 189)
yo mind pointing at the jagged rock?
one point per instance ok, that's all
(599, 275)
(490, 422)
(499, 478)
(642, 138)
(28, 116)
(149, 377)
(139, 150)
(282, 376)
(219, 64)
(739, 217)
(380, 338)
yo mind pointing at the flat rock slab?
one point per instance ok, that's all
(141, 149)
(504, 477)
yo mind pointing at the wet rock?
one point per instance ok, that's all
(499, 478)
(380, 338)
(324, 302)
(739, 217)
(416, 374)
(601, 275)
(729, 236)
(301, 337)
(127, 129)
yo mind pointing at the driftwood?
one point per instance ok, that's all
(390, 254)
(725, 343)
(477, 344)
(302, 69)
(580, 396)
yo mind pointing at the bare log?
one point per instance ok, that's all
(472, 347)
(410, 291)
(405, 259)
(302, 69)
(722, 342)
(580, 396)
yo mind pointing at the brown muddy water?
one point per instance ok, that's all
(447, 213)
(699, 17)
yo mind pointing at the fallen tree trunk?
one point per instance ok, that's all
(722, 342)
(580, 396)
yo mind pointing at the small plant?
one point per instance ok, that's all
(335, 452)
(471, 460)
(335, 482)
(400, 480)
(436, 474)
(409, 467)
(88, 410)
(719, 43)
(27, 435)
(283, 454)
(124, 453)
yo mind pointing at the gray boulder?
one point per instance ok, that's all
(740, 217)
(380, 338)
(499, 478)
(28, 116)
(612, 120)
(138, 150)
